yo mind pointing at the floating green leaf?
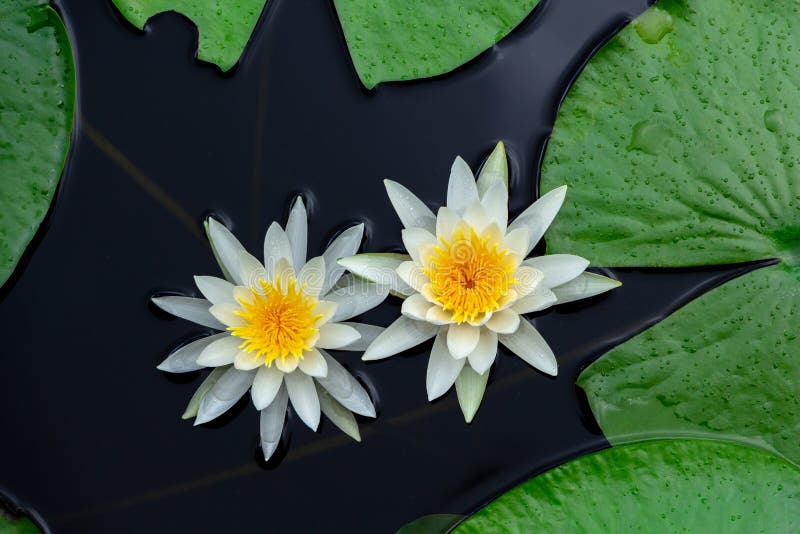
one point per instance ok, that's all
(655, 486)
(673, 149)
(224, 27)
(13, 524)
(37, 101)
(726, 364)
(681, 141)
(393, 40)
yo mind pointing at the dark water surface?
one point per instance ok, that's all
(94, 441)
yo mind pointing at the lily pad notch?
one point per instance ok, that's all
(681, 139)
(224, 28)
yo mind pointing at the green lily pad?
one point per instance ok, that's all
(37, 102)
(663, 486)
(393, 40)
(681, 147)
(223, 26)
(681, 142)
(17, 526)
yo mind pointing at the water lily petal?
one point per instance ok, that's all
(345, 388)
(226, 248)
(265, 386)
(184, 359)
(584, 286)
(297, 232)
(416, 240)
(412, 211)
(462, 339)
(528, 278)
(326, 309)
(189, 308)
(412, 275)
(415, 307)
(447, 221)
(442, 368)
(276, 247)
(507, 300)
(541, 299)
(304, 398)
(338, 414)
(495, 204)
(202, 391)
(247, 361)
(539, 215)
(517, 242)
(313, 276)
(215, 289)
(402, 334)
(346, 244)
(313, 364)
(287, 365)
(462, 190)
(336, 335)
(495, 170)
(482, 358)
(368, 334)
(223, 394)
(271, 423)
(380, 268)
(470, 387)
(227, 313)
(221, 352)
(355, 297)
(438, 315)
(481, 319)
(558, 269)
(503, 322)
(476, 217)
(529, 345)
(251, 270)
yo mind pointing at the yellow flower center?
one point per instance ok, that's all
(469, 274)
(279, 320)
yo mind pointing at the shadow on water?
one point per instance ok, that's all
(163, 141)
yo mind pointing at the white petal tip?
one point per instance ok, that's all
(551, 371)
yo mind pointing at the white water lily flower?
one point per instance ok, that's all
(467, 281)
(278, 318)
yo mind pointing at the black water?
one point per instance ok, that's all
(93, 439)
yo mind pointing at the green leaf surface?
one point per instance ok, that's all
(17, 526)
(654, 486)
(681, 140)
(392, 40)
(726, 364)
(223, 26)
(37, 101)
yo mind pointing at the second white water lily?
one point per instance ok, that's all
(466, 280)
(278, 318)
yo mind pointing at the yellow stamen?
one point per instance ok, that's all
(279, 320)
(469, 274)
